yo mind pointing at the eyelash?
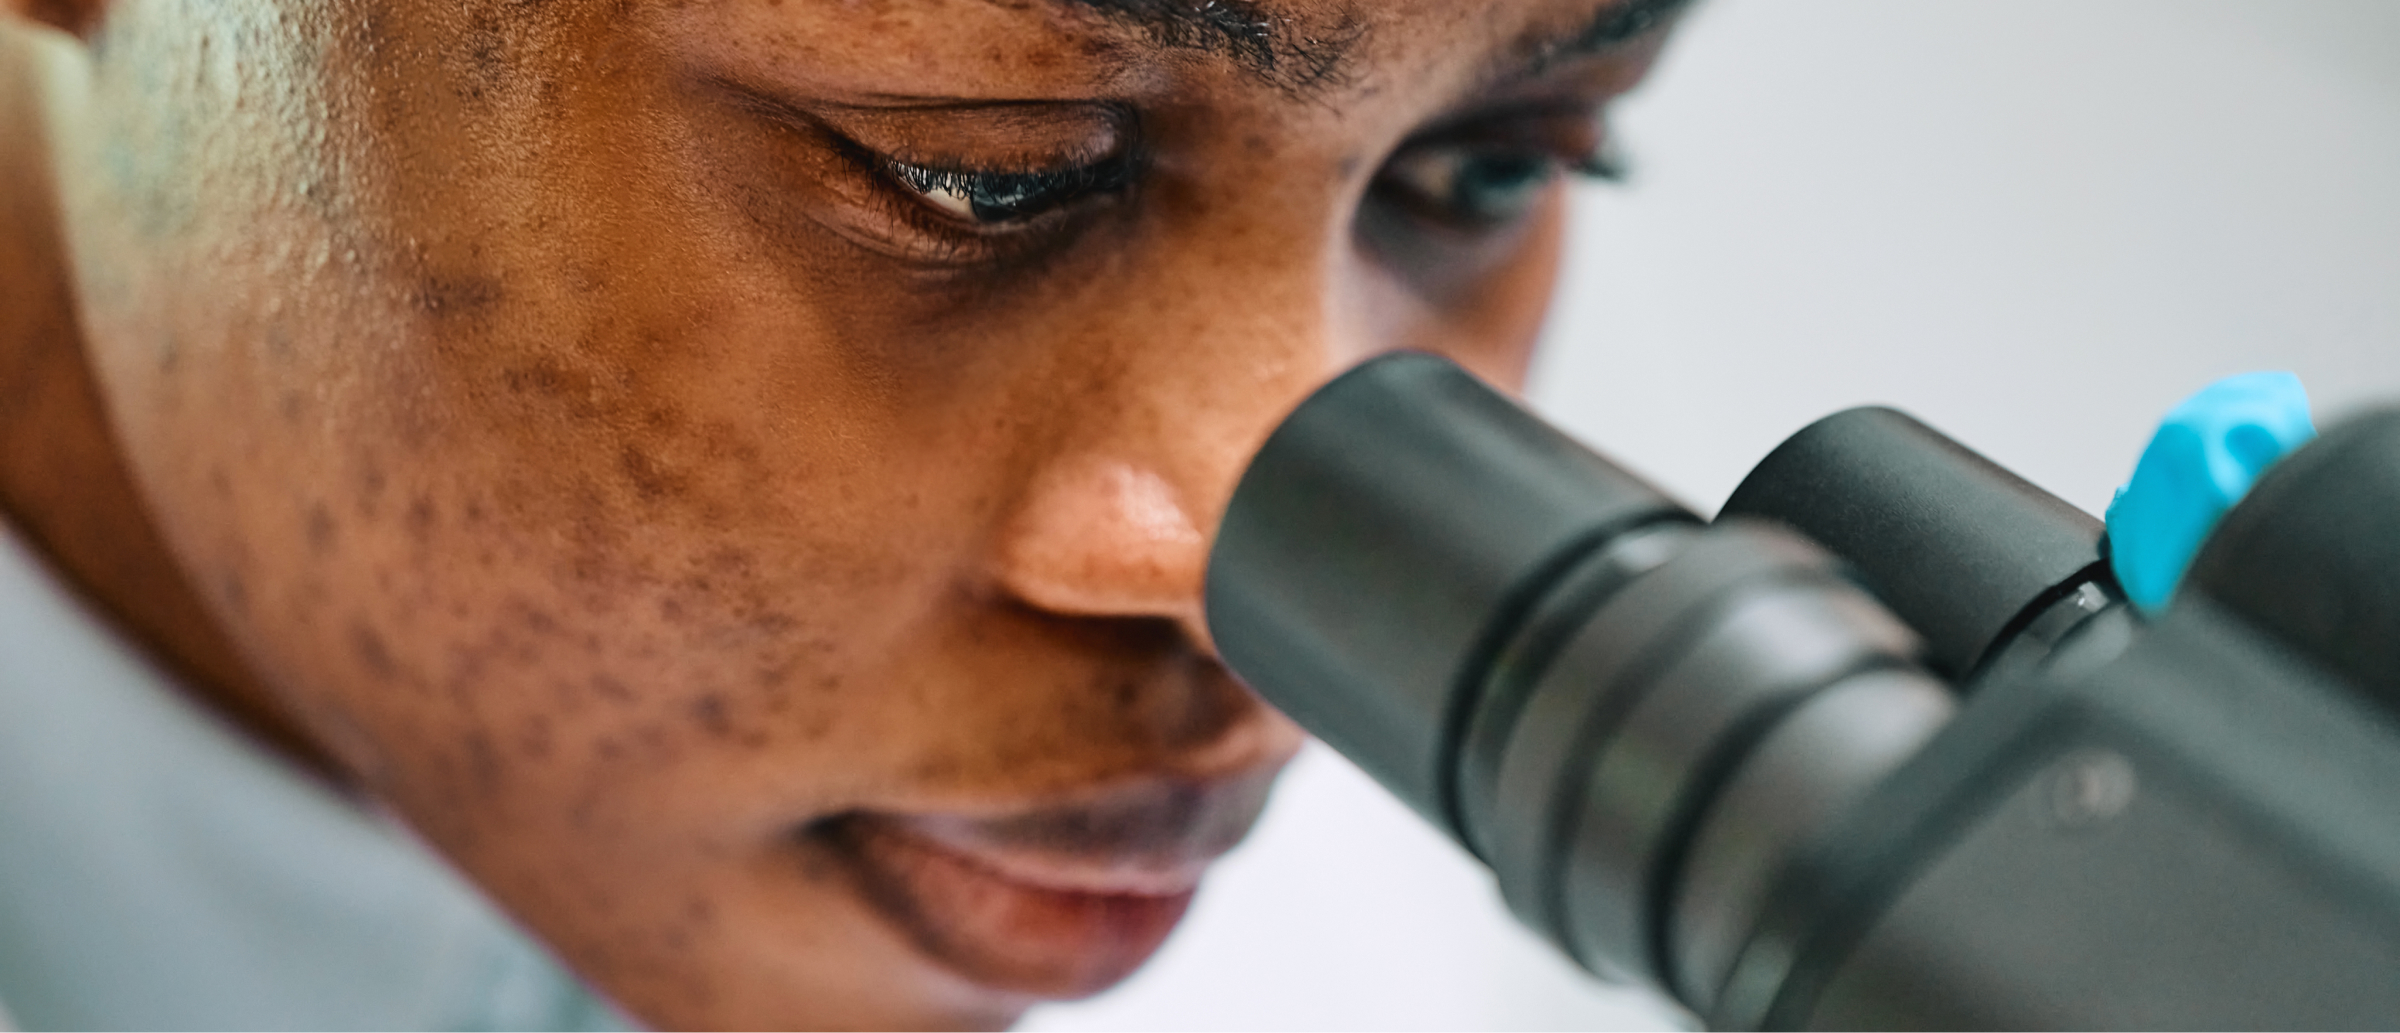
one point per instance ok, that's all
(1013, 197)
(1484, 181)
(995, 214)
(1606, 163)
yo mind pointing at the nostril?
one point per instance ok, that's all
(1104, 538)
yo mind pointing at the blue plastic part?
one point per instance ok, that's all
(2205, 456)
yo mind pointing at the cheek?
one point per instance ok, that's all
(614, 550)
(598, 608)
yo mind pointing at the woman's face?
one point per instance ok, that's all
(736, 474)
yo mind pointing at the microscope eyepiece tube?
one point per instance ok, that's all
(1382, 544)
(1540, 652)
(1967, 552)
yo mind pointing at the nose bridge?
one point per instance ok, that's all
(1238, 337)
(1228, 331)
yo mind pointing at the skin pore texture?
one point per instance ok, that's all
(736, 475)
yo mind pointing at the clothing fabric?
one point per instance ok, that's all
(160, 870)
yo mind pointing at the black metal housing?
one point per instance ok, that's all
(1704, 758)
(1961, 548)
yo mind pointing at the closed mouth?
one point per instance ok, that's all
(1057, 903)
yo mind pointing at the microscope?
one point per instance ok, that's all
(1883, 745)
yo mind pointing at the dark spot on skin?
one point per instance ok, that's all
(421, 518)
(579, 816)
(818, 728)
(321, 528)
(234, 591)
(533, 737)
(293, 406)
(652, 740)
(650, 478)
(545, 377)
(483, 762)
(709, 713)
(610, 689)
(535, 619)
(588, 570)
(455, 296)
(370, 486)
(773, 624)
(372, 654)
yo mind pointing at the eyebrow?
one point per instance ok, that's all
(1611, 26)
(1274, 53)
(1239, 29)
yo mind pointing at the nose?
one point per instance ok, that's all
(1107, 538)
(1101, 536)
(1116, 519)
(1185, 365)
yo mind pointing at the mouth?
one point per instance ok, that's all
(1057, 902)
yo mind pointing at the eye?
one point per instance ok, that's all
(1478, 184)
(994, 198)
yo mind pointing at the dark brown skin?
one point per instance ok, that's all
(563, 423)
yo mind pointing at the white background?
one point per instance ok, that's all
(2036, 224)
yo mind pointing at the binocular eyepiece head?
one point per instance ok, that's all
(1881, 745)
(1630, 714)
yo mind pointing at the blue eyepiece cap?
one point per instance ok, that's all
(2204, 458)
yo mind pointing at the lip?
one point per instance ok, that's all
(1057, 902)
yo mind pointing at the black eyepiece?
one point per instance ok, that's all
(1710, 757)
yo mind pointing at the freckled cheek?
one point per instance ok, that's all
(646, 565)
(538, 632)
(500, 698)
